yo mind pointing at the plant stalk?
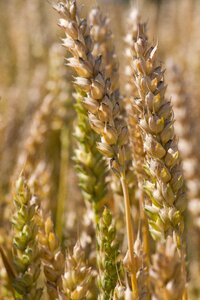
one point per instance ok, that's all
(185, 295)
(145, 232)
(130, 235)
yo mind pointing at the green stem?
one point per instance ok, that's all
(130, 236)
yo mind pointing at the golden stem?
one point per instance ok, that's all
(145, 232)
(185, 295)
(145, 237)
(130, 236)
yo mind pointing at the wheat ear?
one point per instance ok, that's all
(102, 106)
(107, 256)
(137, 147)
(103, 44)
(165, 186)
(51, 256)
(77, 276)
(26, 258)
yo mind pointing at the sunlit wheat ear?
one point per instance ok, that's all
(103, 110)
(26, 257)
(167, 276)
(165, 186)
(103, 44)
(77, 276)
(51, 256)
(102, 105)
(135, 136)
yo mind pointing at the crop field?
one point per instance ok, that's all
(99, 150)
